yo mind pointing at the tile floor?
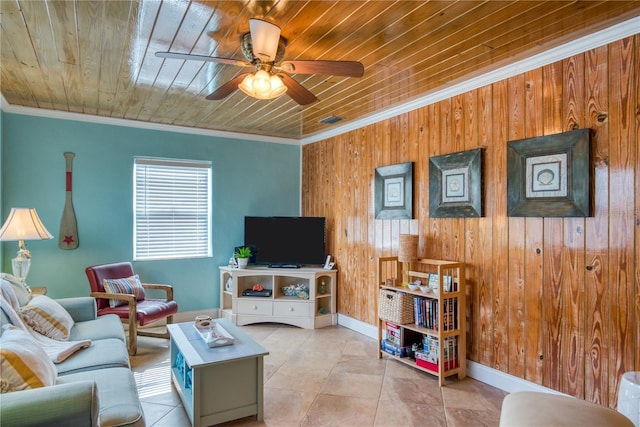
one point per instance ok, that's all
(327, 377)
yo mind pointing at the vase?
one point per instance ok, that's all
(242, 262)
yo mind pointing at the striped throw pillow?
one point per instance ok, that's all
(130, 285)
(24, 363)
(47, 317)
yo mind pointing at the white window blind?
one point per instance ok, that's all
(172, 205)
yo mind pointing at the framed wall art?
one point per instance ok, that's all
(549, 176)
(394, 191)
(455, 185)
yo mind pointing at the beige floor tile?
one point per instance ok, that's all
(463, 399)
(471, 394)
(319, 360)
(362, 365)
(329, 410)
(288, 339)
(177, 417)
(291, 377)
(286, 407)
(274, 361)
(409, 414)
(168, 397)
(423, 390)
(361, 349)
(459, 417)
(326, 343)
(260, 331)
(155, 412)
(353, 385)
(397, 369)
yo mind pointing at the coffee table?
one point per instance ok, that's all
(217, 384)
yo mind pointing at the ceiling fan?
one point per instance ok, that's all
(264, 49)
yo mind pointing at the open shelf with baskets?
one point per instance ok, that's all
(425, 327)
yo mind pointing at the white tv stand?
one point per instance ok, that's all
(317, 311)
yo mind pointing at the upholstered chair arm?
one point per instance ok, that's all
(74, 404)
(168, 289)
(81, 309)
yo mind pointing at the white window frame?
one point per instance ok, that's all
(172, 213)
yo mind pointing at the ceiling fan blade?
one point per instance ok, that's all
(227, 88)
(265, 37)
(189, 56)
(334, 68)
(296, 91)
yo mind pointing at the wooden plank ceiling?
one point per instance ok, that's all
(98, 57)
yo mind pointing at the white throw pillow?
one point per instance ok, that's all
(18, 288)
(24, 363)
(47, 317)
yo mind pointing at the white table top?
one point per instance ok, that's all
(196, 352)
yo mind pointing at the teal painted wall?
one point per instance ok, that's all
(248, 178)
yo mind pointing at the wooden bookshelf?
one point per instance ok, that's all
(438, 322)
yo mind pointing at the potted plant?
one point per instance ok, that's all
(242, 255)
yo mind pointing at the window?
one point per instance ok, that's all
(172, 209)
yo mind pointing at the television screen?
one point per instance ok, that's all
(286, 241)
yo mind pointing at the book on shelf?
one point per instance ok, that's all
(426, 312)
(391, 333)
(395, 349)
(450, 319)
(430, 356)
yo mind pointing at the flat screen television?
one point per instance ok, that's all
(283, 241)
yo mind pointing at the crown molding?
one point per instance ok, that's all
(90, 118)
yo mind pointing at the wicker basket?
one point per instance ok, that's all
(396, 307)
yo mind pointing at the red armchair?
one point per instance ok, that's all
(134, 312)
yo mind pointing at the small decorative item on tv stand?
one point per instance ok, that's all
(322, 288)
(242, 255)
(256, 291)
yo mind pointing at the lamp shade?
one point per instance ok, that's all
(23, 224)
(408, 248)
(265, 37)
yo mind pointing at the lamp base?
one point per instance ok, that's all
(20, 266)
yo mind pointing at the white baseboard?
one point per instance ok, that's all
(477, 371)
(502, 380)
(358, 326)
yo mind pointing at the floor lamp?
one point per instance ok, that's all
(407, 253)
(23, 224)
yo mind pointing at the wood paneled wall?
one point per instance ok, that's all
(555, 301)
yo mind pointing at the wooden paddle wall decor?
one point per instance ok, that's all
(68, 226)
(555, 301)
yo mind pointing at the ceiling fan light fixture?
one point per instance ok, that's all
(277, 87)
(262, 85)
(265, 37)
(261, 82)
